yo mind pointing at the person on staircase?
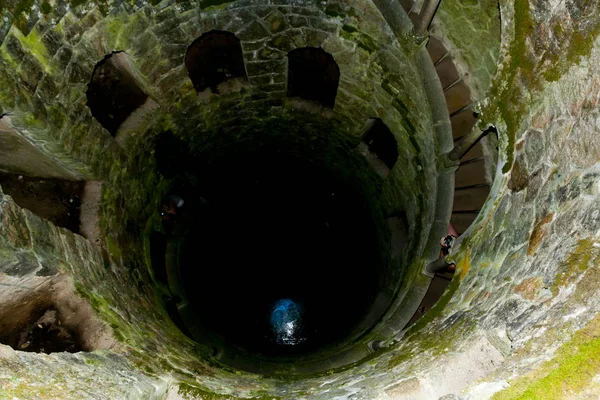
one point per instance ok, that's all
(446, 243)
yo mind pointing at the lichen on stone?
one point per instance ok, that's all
(572, 368)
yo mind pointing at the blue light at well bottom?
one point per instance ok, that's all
(286, 322)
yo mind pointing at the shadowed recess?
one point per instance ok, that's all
(382, 143)
(313, 75)
(113, 93)
(281, 256)
(214, 58)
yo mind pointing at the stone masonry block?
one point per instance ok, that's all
(191, 29)
(47, 89)
(314, 38)
(276, 22)
(265, 67)
(323, 25)
(79, 69)
(268, 79)
(13, 229)
(268, 53)
(136, 26)
(14, 47)
(63, 57)
(252, 46)
(288, 40)
(254, 31)
(91, 19)
(30, 72)
(69, 25)
(53, 41)
(93, 46)
(170, 32)
(146, 47)
(166, 13)
(297, 21)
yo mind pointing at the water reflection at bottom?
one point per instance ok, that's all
(286, 322)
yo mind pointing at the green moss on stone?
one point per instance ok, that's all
(76, 3)
(46, 8)
(473, 26)
(577, 45)
(92, 361)
(20, 12)
(213, 5)
(571, 370)
(193, 392)
(112, 245)
(113, 29)
(432, 340)
(507, 100)
(35, 45)
(33, 122)
(437, 309)
(522, 76)
(349, 28)
(362, 40)
(367, 43)
(575, 264)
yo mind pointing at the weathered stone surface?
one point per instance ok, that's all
(519, 177)
(276, 21)
(532, 304)
(14, 48)
(264, 67)
(314, 38)
(19, 156)
(19, 265)
(471, 31)
(254, 31)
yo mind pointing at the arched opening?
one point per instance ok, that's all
(379, 147)
(114, 93)
(213, 58)
(381, 142)
(313, 75)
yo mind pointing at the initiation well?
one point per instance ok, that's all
(301, 262)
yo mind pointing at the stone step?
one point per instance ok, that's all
(436, 50)
(472, 173)
(447, 72)
(458, 97)
(474, 152)
(462, 122)
(478, 150)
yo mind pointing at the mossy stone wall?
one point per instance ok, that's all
(471, 31)
(47, 57)
(524, 300)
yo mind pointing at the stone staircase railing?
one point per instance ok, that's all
(471, 186)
